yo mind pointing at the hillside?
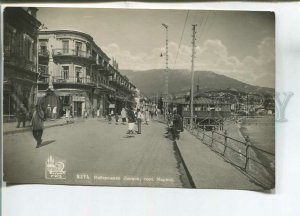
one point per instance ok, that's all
(152, 81)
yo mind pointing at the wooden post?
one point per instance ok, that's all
(212, 136)
(203, 133)
(248, 144)
(225, 141)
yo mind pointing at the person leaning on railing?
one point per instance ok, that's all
(175, 126)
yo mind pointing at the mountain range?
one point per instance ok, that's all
(152, 81)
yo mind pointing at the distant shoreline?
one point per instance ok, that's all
(261, 131)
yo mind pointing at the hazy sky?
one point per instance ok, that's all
(236, 44)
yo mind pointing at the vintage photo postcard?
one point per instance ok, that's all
(139, 97)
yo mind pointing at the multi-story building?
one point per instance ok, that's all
(125, 90)
(78, 72)
(20, 60)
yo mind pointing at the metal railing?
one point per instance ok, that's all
(106, 86)
(211, 114)
(73, 52)
(256, 163)
(43, 69)
(72, 80)
(19, 60)
(44, 53)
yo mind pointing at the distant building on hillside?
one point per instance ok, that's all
(206, 111)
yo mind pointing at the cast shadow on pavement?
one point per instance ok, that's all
(47, 143)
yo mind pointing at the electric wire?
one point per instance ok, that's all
(186, 18)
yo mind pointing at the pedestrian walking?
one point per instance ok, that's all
(123, 115)
(131, 120)
(151, 114)
(147, 117)
(85, 114)
(93, 113)
(21, 116)
(155, 114)
(68, 113)
(98, 113)
(54, 112)
(37, 124)
(139, 121)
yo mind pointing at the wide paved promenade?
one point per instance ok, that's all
(97, 153)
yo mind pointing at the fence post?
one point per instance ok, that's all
(247, 139)
(212, 136)
(225, 141)
(203, 134)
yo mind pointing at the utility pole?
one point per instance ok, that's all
(192, 74)
(166, 93)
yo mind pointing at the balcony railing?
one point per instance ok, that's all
(44, 53)
(103, 85)
(19, 60)
(43, 69)
(73, 52)
(73, 80)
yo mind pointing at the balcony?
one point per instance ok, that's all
(101, 68)
(43, 53)
(20, 61)
(104, 86)
(73, 80)
(73, 53)
(43, 70)
(120, 84)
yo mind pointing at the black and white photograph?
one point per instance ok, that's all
(139, 97)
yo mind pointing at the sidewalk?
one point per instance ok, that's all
(11, 127)
(209, 170)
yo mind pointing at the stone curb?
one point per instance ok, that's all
(185, 166)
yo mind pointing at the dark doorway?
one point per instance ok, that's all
(77, 108)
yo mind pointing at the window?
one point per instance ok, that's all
(65, 45)
(186, 108)
(78, 74)
(28, 47)
(65, 72)
(65, 100)
(198, 108)
(88, 48)
(78, 48)
(43, 47)
(9, 40)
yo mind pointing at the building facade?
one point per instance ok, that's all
(79, 73)
(20, 60)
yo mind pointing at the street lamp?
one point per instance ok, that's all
(192, 76)
(166, 73)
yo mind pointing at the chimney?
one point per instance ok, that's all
(32, 11)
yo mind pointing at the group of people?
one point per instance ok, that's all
(51, 113)
(175, 125)
(138, 117)
(132, 117)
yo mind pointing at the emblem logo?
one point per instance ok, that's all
(55, 168)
